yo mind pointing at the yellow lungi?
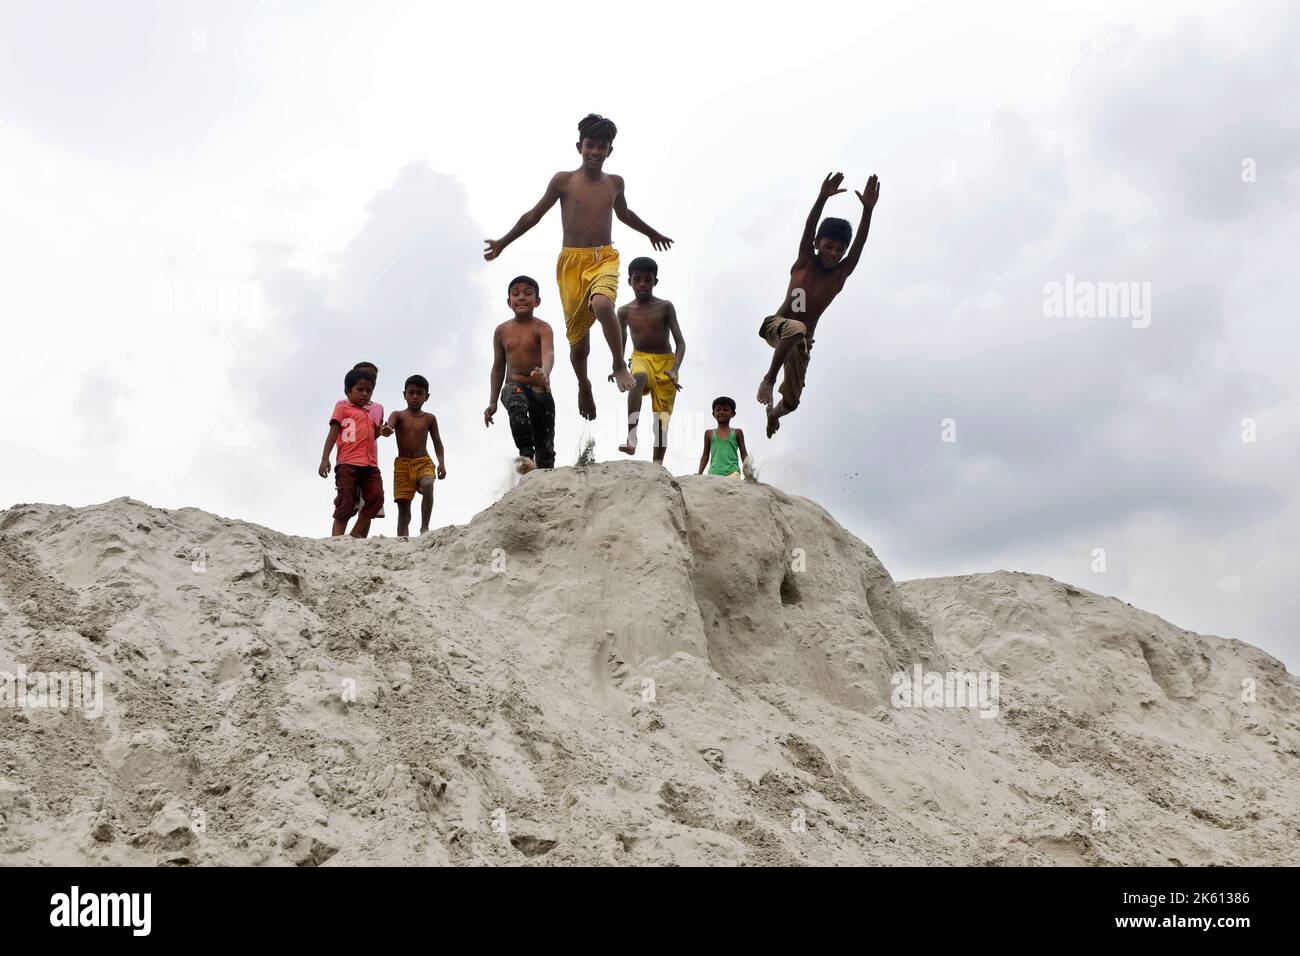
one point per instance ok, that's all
(580, 274)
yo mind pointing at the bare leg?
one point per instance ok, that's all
(604, 309)
(362, 528)
(340, 526)
(783, 349)
(426, 502)
(578, 357)
(633, 415)
(661, 438)
(774, 417)
(403, 518)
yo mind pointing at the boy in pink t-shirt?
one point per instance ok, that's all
(376, 412)
(354, 431)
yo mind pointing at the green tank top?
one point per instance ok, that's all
(724, 453)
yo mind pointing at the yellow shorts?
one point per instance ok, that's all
(407, 473)
(581, 273)
(661, 389)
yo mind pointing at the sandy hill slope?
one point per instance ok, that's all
(609, 666)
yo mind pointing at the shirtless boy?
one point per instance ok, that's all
(816, 278)
(587, 270)
(413, 468)
(523, 349)
(655, 365)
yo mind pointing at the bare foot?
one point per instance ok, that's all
(624, 379)
(586, 403)
(627, 449)
(773, 422)
(524, 465)
(765, 392)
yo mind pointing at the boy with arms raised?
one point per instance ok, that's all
(524, 349)
(354, 433)
(654, 365)
(413, 468)
(587, 270)
(816, 278)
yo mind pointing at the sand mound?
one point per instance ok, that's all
(609, 666)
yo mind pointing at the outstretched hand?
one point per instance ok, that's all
(660, 242)
(870, 194)
(831, 185)
(494, 248)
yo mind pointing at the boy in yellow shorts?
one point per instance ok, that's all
(413, 469)
(651, 321)
(587, 271)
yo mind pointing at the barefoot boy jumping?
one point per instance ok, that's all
(413, 468)
(651, 321)
(524, 348)
(816, 278)
(587, 271)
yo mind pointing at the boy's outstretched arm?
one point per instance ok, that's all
(868, 197)
(529, 219)
(330, 439)
(629, 218)
(704, 458)
(680, 343)
(498, 376)
(830, 187)
(437, 445)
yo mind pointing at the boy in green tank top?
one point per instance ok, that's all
(724, 446)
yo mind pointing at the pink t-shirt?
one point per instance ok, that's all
(376, 412)
(356, 442)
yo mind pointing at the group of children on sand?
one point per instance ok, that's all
(588, 276)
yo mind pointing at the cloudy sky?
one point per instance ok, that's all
(214, 209)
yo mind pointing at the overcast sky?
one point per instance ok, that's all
(212, 210)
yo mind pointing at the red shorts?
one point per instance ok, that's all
(348, 480)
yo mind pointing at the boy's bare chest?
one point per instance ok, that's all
(816, 286)
(582, 196)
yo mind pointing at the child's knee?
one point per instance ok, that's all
(581, 348)
(425, 485)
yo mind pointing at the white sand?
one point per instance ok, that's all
(609, 666)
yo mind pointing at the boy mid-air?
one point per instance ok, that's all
(816, 278)
(654, 364)
(413, 468)
(587, 270)
(524, 349)
(354, 432)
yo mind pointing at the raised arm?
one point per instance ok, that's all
(529, 219)
(498, 376)
(676, 332)
(830, 187)
(868, 197)
(629, 218)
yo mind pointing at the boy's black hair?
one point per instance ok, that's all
(728, 402)
(643, 264)
(356, 375)
(419, 380)
(837, 229)
(527, 280)
(596, 128)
